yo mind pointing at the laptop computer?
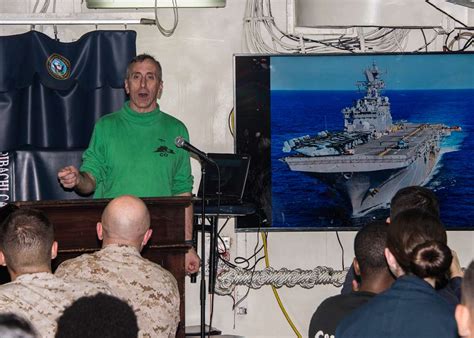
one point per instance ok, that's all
(233, 169)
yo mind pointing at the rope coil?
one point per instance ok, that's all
(229, 278)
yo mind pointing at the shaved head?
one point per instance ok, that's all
(125, 220)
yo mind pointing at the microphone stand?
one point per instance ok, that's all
(203, 251)
(212, 247)
(180, 142)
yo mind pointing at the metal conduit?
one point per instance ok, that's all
(94, 22)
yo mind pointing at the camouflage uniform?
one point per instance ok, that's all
(151, 290)
(42, 297)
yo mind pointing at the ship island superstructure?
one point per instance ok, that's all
(373, 157)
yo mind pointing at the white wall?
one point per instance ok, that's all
(197, 63)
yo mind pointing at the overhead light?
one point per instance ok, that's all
(151, 3)
(466, 3)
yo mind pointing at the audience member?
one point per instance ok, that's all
(419, 258)
(465, 310)
(423, 199)
(370, 265)
(151, 290)
(99, 316)
(13, 326)
(5, 211)
(26, 248)
(414, 197)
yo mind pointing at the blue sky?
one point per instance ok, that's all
(341, 72)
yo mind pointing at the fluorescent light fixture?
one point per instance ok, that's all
(151, 3)
(466, 3)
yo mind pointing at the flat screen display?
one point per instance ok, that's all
(227, 183)
(334, 137)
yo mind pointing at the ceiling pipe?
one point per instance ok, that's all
(94, 22)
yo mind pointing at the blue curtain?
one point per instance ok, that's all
(51, 95)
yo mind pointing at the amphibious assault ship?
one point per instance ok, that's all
(373, 157)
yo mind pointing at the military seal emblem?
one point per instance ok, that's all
(58, 66)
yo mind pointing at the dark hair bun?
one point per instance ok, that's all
(431, 259)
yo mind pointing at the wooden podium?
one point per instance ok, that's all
(75, 231)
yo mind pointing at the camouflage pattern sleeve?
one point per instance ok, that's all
(42, 297)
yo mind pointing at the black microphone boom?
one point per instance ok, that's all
(180, 142)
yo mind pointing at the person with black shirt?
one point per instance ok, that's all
(422, 199)
(418, 256)
(370, 265)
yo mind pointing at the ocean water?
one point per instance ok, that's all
(300, 201)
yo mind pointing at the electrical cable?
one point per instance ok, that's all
(167, 32)
(447, 37)
(445, 13)
(275, 292)
(460, 36)
(429, 42)
(36, 6)
(226, 262)
(32, 27)
(467, 44)
(223, 245)
(223, 225)
(424, 39)
(242, 260)
(252, 269)
(43, 10)
(45, 7)
(230, 123)
(234, 306)
(342, 249)
(258, 19)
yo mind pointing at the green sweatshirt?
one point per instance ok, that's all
(134, 153)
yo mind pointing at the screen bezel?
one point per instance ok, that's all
(264, 103)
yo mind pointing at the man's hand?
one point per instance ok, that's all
(69, 177)
(81, 182)
(192, 262)
(455, 268)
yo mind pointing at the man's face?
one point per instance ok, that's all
(143, 86)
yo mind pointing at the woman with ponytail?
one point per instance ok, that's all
(418, 256)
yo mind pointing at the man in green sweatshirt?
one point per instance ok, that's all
(132, 150)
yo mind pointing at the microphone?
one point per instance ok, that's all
(180, 142)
